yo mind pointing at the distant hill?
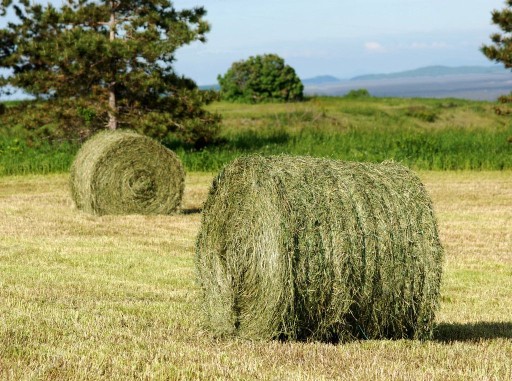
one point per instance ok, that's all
(434, 71)
(320, 80)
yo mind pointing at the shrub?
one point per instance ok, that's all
(77, 119)
(357, 94)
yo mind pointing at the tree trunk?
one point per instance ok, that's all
(112, 113)
(112, 117)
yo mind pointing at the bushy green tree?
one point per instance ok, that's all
(501, 48)
(106, 63)
(262, 78)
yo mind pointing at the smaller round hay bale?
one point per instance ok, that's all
(301, 248)
(122, 172)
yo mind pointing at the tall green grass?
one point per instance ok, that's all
(431, 134)
(446, 149)
(17, 157)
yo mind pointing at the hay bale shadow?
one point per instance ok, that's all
(450, 332)
(187, 211)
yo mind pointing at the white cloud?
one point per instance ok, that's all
(374, 47)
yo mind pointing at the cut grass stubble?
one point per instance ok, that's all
(88, 297)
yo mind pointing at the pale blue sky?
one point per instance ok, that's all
(340, 37)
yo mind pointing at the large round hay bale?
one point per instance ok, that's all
(301, 248)
(122, 172)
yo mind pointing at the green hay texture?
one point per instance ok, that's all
(300, 248)
(122, 172)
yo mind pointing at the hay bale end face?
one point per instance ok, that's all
(122, 172)
(300, 248)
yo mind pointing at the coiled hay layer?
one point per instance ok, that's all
(301, 248)
(122, 172)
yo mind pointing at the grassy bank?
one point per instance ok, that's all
(115, 298)
(425, 134)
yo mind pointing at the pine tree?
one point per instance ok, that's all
(501, 48)
(109, 63)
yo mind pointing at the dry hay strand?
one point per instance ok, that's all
(300, 248)
(122, 172)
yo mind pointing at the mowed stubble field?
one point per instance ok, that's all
(114, 297)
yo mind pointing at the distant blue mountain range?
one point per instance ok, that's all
(427, 71)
